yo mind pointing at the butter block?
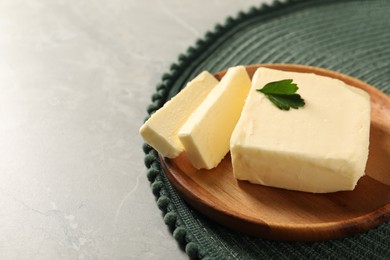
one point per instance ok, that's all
(322, 147)
(160, 130)
(206, 134)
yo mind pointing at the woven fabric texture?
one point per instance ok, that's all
(352, 37)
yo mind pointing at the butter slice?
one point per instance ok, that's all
(160, 130)
(206, 134)
(322, 147)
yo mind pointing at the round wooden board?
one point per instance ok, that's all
(291, 215)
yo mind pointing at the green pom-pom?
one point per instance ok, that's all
(166, 76)
(156, 96)
(151, 108)
(189, 237)
(252, 11)
(182, 58)
(170, 219)
(174, 66)
(192, 250)
(218, 28)
(161, 86)
(163, 203)
(180, 235)
(152, 174)
(175, 73)
(191, 50)
(265, 7)
(153, 153)
(229, 21)
(241, 15)
(156, 187)
(168, 82)
(149, 159)
(199, 42)
(208, 34)
(146, 148)
(156, 165)
(158, 103)
(163, 93)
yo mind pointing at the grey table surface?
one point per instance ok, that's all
(75, 80)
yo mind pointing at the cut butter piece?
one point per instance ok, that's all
(160, 130)
(322, 147)
(206, 134)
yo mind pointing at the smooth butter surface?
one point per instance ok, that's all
(322, 147)
(206, 134)
(160, 130)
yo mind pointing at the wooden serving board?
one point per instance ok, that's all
(292, 215)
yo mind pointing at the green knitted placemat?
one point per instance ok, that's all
(352, 37)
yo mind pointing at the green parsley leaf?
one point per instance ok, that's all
(283, 87)
(283, 94)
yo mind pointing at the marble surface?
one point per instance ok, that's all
(75, 80)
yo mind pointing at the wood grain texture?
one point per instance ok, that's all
(292, 215)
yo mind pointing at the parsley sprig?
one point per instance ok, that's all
(283, 94)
